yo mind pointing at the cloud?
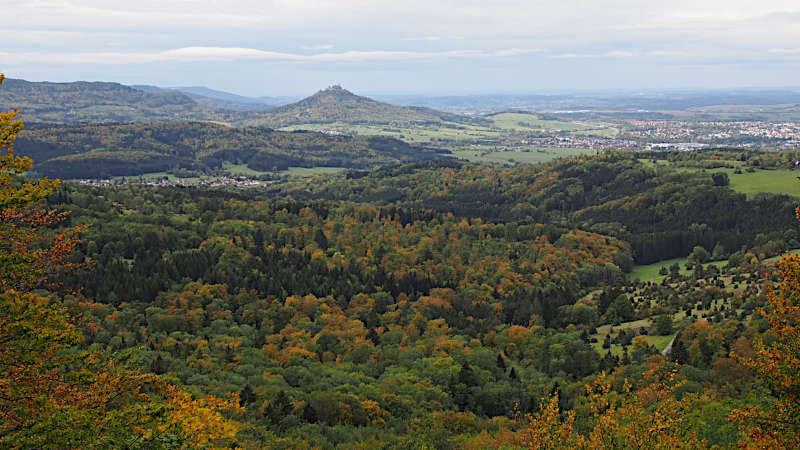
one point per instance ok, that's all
(621, 54)
(194, 54)
(608, 54)
(317, 47)
(107, 36)
(784, 51)
(422, 38)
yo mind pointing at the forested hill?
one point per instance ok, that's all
(104, 102)
(83, 101)
(336, 104)
(100, 150)
(220, 99)
(661, 212)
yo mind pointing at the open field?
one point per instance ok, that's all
(606, 132)
(510, 132)
(771, 181)
(523, 121)
(649, 272)
(241, 169)
(660, 342)
(533, 156)
(775, 259)
(777, 181)
(419, 134)
(311, 171)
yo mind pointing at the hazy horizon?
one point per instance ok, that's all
(294, 48)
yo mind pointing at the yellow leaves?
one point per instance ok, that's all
(287, 354)
(52, 394)
(547, 428)
(649, 418)
(372, 409)
(439, 298)
(778, 365)
(200, 421)
(304, 305)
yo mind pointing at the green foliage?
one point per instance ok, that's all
(339, 105)
(102, 102)
(620, 310)
(613, 193)
(93, 151)
(663, 325)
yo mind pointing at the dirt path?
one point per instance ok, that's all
(666, 350)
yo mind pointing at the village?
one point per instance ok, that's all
(213, 182)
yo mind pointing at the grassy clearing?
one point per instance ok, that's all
(775, 259)
(777, 181)
(241, 169)
(305, 172)
(616, 350)
(606, 132)
(603, 330)
(427, 134)
(522, 121)
(771, 181)
(649, 272)
(660, 342)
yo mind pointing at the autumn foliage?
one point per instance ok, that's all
(777, 364)
(52, 394)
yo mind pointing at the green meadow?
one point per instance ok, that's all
(522, 121)
(779, 181)
(649, 272)
(305, 172)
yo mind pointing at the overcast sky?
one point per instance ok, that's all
(293, 47)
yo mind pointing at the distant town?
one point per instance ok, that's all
(213, 182)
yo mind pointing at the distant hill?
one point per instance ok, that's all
(104, 102)
(336, 104)
(202, 91)
(83, 101)
(222, 99)
(101, 150)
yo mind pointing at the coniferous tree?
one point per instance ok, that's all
(246, 395)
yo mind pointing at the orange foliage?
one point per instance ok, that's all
(777, 364)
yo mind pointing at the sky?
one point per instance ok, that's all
(296, 47)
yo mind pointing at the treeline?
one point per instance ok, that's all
(102, 150)
(328, 316)
(660, 212)
(393, 327)
(104, 102)
(280, 248)
(729, 158)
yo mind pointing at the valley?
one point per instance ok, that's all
(339, 272)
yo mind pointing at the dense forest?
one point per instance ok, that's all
(661, 212)
(338, 323)
(103, 102)
(103, 150)
(426, 305)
